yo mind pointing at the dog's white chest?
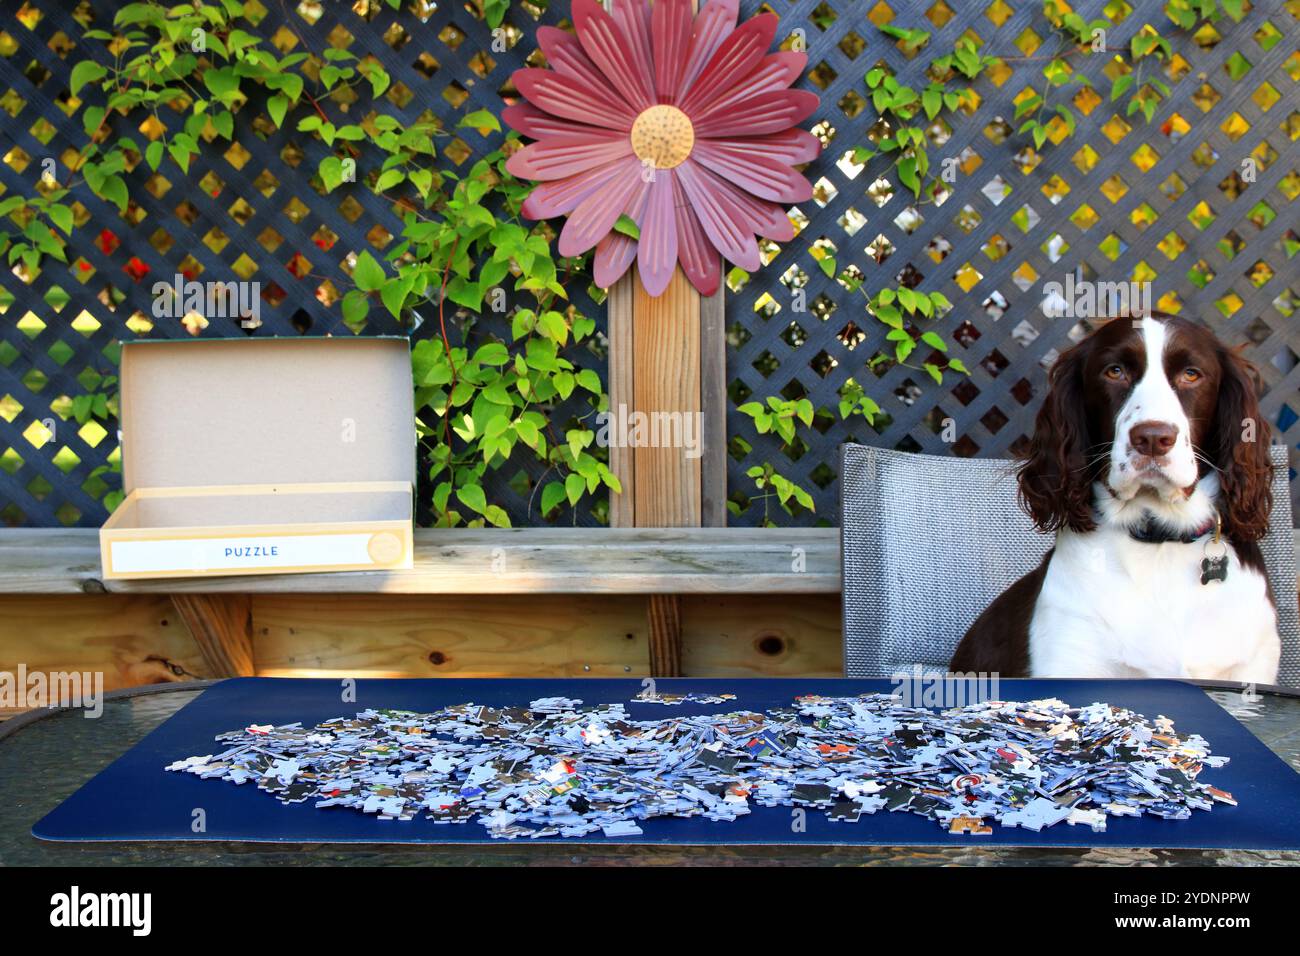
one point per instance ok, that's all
(1114, 607)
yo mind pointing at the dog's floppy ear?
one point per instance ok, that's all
(1241, 451)
(1055, 479)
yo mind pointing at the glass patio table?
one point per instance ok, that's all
(46, 757)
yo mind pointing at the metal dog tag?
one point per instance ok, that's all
(1214, 569)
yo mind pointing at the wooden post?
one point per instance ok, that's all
(222, 626)
(668, 354)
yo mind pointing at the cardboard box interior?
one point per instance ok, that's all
(266, 411)
(239, 508)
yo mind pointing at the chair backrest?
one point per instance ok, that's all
(929, 541)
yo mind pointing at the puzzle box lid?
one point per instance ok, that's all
(266, 411)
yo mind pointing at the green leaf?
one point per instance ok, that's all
(355, 307)
(907, 175)
(331, 172)
(87, 71)
(62, 217)
(552, 325)
(574, 486)
(472, 497)
(378, 77)
(180, 156)
(394, 293)
(552, 495)
(221, 83)
(932, 101)
(480, 119)
(91, 118)
(114, 190)
(153, 153)
(277, 106)
(388, 179)
(940, 301)
(933, 340)
(368, 274)
(627, 226)
(889, 316)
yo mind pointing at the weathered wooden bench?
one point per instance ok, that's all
(770, 596)
(631, 561)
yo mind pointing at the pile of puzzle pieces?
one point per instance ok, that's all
(558, 768)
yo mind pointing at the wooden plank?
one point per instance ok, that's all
(441, 636)
(666, 386)
(540, 636)
(713, 409)
(622, 505)
(130, 640)
(480, 561)
(137, 640)
(664, 617)
(757, 635)
(222, 627)
(666, 346)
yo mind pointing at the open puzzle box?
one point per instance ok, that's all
(263, 456)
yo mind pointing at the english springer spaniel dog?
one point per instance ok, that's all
(1149, 461)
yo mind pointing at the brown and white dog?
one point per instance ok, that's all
(1149, 440)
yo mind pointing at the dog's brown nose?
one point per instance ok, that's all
(1152, 438)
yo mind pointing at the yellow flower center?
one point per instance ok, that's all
(663, 136)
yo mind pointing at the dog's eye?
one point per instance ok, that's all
(1191, 376)
(1114, 372)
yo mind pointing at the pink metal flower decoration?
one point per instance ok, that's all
(684, 122)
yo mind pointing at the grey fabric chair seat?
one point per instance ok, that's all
(929, 541)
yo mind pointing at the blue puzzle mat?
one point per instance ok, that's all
(136, 799)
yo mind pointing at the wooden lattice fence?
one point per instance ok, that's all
(1118, 200)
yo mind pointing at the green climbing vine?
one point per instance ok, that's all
(906, 114)
(462, 242)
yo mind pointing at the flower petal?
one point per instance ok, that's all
(597, 213)
(723, 221)
(791, 146)
(699, 260)
(672, 43)
(614, 254)
(766, 178)
(558, 157)
(610, 50)
(776, 72)
(555, 199)
(634, 17)
(567, 97)
(616, 251)
(713, 25)
(765, 113)
(538, 124)
(735, 59)
(564, 54)
(761, 215)
(656, 254)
